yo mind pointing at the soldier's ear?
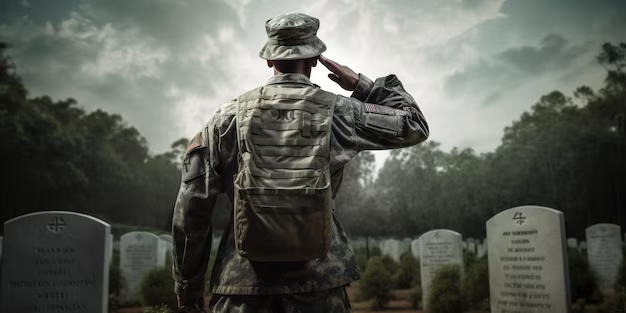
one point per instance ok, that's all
(270, 63)
(313, 62)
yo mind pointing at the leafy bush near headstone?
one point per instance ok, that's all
(620, 283)
(582, 279)
(476, 285)
(390, 264)
(157, 288)
(116, 280)
(407, 272)
(445, 290)
(361, 262)
(469, 258)
(580, 306)
(114, 303)
(615, 303)
(376, 284)
(375, 252)
(416, 297)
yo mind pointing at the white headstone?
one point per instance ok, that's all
(528, 265)
(374, 244)
(471, 245)
(166, 237)
(139, 253)
(392, 249)
(604, 252)
(415, 248)
(572, 243)
(55, 261)
(582, 246)
(405, 246)
(358, 243)
(481, 250)
(437, 248)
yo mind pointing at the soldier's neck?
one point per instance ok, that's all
(306, 72)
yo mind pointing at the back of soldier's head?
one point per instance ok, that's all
(292, 42)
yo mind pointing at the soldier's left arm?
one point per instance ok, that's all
(201, 183)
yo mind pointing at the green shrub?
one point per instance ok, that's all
(157, 287)
(445, 291)
(361, 262)
(417, 279)
(376, 283)
(615, 303)
(580, 306)
(476, 285)
(114, 303)
(416, 297)
(582, 279)
(620, 283)
(116, 281)
(158, 309)
(469, 258)
(390, 264)
(407, 271)
(374, 252)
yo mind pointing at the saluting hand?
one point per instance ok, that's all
(341, 74)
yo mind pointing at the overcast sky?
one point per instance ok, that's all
(165, 65)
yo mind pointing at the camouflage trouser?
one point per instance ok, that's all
(325, 301)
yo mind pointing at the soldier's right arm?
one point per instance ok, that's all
(379, 115)
(385, 115)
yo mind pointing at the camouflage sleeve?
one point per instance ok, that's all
(385, 115)
(191, 224)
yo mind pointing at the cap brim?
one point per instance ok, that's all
(305, 51)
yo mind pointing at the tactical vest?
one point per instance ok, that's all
(283, 202)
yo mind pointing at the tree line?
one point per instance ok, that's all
(567, 152)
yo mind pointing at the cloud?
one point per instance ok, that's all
(165, 65)
(514, 67)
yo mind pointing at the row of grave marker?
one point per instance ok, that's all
(528, 265)
(59, 261)
(396, 248)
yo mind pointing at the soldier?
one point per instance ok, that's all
(278, 152)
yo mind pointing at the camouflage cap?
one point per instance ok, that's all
(292, 36)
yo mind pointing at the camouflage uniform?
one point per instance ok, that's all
(378, 115)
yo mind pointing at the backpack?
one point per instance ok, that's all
(283, 200)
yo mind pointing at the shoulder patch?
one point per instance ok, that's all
(195, 142)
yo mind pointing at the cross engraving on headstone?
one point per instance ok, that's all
(57, 225)
(519, 218)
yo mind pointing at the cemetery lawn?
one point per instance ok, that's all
(400, 303)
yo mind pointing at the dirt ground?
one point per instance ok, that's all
(400, 303)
